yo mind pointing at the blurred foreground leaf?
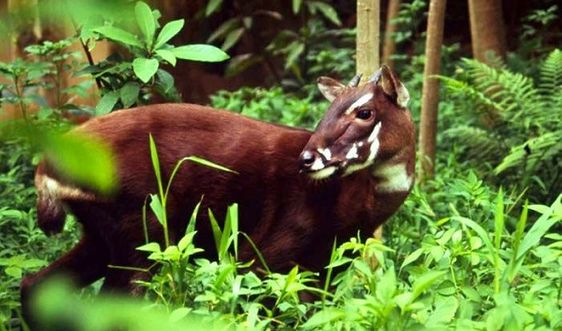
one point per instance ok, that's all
(82, 159)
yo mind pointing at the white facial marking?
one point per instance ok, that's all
(373, 150)
(360, 144)
(324, 173)
(317, 165)
(359, 102)
(352, 153)
(326, 153)
(394, 178)
(51, 189)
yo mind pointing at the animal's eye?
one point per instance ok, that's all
(364, 114)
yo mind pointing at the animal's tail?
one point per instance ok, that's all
(51, 194)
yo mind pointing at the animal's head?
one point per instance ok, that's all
(365, 124)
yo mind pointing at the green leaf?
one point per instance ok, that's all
(168, 32)
(217, 233)
(152, 247)
(179, 314)
(425, 281)
(15, 272)
(145, 21)
(324, 317)
(167, 56)
(200, 52)
(224, 28)
(119, 35)
(209, 164)
(129, 94)
(295, 51)
(106, 103)
(499, 220)
(231, 38)
(297, 6)
(212, 6)
(145, 68)
(155, 163)
(157, 208)
(82, 158)
(328, 11)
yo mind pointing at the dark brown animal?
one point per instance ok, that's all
(297, 190)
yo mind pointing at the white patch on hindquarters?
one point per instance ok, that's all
(359, 102)
(352, 152)
(324, 173)
(394, 178)
(51, 189)
(326, 153)
(373, 150)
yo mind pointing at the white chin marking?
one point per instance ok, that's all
(359, 102)
(324, 173)
(394, 178)
(326, 153)
(317, 165)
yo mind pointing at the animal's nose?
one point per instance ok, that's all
(307, 159)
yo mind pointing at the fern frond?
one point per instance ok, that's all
(550, 83)
(533, 152)
(477, 143)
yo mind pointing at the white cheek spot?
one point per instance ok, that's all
(326, 153)
(317, 165)
(394, 178)
(359, 102)
(360, 144)
(324, 173)
(373, 150)
(352, 153)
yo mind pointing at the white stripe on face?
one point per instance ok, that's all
(352, 153)
(359, 102)
(373, 150)
(326, 153)
(317, 165)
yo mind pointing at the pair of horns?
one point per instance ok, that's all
(354, 82)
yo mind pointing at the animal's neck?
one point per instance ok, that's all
(395, 175)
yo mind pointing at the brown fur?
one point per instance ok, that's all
(291, 218)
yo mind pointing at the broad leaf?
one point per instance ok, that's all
(129, 94)
(145, 68)
(107, 102)
(168, 32)
(145, 21)
(200, 52)
(119, 35)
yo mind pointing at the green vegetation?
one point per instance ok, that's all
(476, 248)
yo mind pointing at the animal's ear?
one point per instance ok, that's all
(329, 87)
(391, 85)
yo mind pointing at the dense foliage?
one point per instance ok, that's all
(478, 247)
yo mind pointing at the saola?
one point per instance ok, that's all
(297, 190)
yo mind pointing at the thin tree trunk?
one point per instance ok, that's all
(487, 29)
(368, 36)
(389, 47)
(367, 56)
(430, 94)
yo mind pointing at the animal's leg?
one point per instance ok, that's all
(85, 263)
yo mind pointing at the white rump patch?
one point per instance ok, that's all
(326, 153)
(324, 173)
(394, 178)
(359, 102)
(51, 189)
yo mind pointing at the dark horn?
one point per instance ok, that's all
(376, 76)
(355, 81)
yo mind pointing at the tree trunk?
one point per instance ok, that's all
(367, 57)
(487, 29)
(368, 36)
(389, 47)
(430, 94)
